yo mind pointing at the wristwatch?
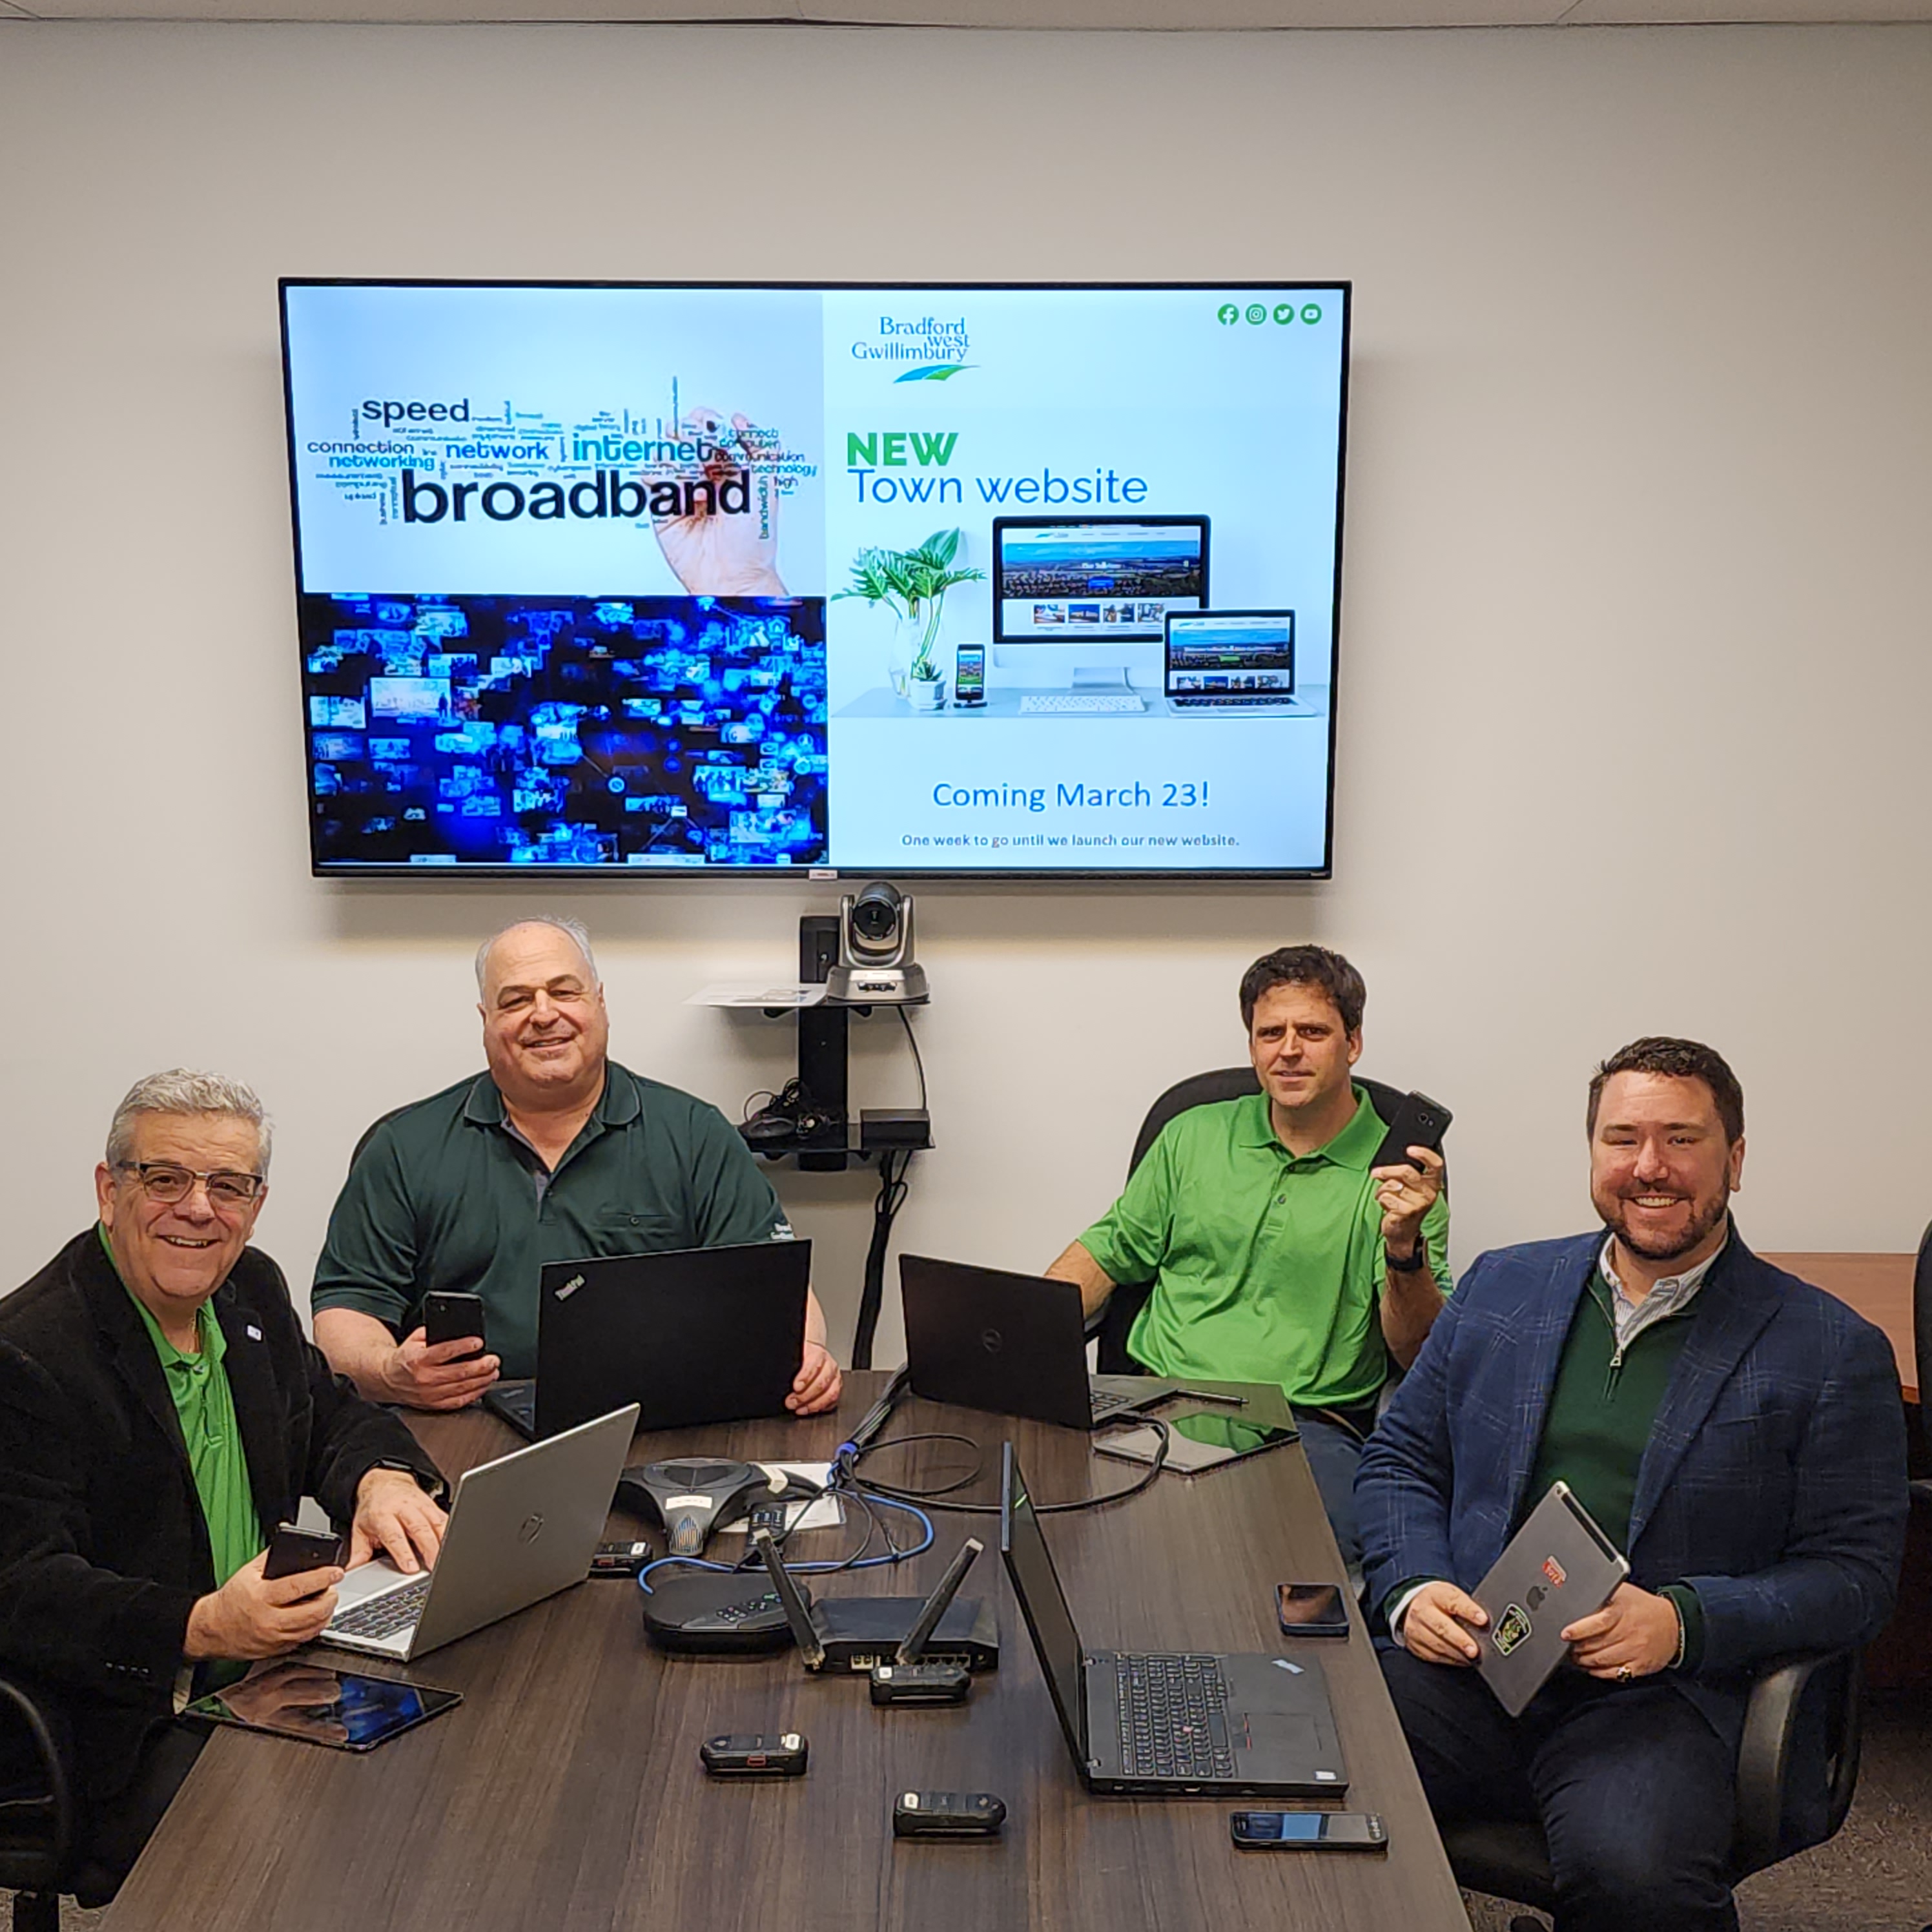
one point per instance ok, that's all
(1416, 1262)
(436, 1490)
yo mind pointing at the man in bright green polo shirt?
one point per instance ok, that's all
(555, 1153)
(1277, 1252)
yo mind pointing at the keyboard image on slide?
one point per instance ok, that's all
(1083, 701)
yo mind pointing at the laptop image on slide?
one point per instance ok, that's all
(1014, 1344)
(1559, 1566)
(1167, 1725)
(520, 1529)
(1231, 660)
(690, 1335)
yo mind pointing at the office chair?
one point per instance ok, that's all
(39, 1837)
(1200, 1089)
(1798, 1766)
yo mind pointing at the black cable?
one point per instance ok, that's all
(934, 1499)
(912, 1041)
(892, 1165)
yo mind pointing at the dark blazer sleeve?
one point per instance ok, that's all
(1836, 1581)
(63, 1618)
(1407, 1474)
(350, 1436)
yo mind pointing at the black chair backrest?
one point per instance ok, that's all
(1199, 1090)
(1922, 1330)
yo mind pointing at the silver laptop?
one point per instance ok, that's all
(520, 1529)
(1231, 662)
(1558, 1566)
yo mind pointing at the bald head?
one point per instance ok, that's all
(525, 930)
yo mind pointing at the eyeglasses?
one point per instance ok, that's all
(163, 1181)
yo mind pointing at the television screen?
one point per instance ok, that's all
(592, 576)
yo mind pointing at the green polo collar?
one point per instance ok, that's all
(214, 1342)
(618, 1105)
(1354, 1147)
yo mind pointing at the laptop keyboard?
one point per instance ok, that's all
(1108, 1401)
(384, 1616)
(1174, 1718)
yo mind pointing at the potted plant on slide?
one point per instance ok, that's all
(913, 584)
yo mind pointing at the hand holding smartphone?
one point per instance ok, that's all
(1419, 1122)
(291, 1551)
(450, 1317)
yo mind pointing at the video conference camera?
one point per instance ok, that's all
(876, 967)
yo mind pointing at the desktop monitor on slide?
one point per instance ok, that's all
(1087, 586)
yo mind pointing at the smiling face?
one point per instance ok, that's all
(174, 1255)
(1661, 1172)
(1301, 1051)
(545, 1032)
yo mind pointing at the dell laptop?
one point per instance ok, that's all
(1183, 1725)
(1231, 662)
(1015, 1344)
(690, 1335)
(1558, 1566)
(520, 1529)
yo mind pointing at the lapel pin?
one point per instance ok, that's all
(254, 1333)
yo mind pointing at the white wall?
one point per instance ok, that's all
(1635, 681)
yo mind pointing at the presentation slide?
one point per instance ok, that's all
(880, 580)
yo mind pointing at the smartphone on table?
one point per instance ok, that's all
(1311, 1610)
(1308, 1832)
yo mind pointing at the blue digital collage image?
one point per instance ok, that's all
(576, 731)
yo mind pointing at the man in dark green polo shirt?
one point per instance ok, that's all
(1277, 1252)
(555, 1153)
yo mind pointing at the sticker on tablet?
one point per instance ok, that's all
(1512, 1628)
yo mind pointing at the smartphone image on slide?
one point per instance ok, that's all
(969, 676)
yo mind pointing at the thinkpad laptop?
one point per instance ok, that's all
(1015, 1344)
(1558, 1566)
(1167, 1725)
(691, 1335)
(520, 1529)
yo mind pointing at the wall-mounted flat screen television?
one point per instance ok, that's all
(755, 578)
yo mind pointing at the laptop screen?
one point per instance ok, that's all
(1233, 655)
(1042, 1603)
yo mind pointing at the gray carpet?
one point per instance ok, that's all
(1875, 1876)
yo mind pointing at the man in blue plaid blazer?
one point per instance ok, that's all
(1738, 1433)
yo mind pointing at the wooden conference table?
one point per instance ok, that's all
(566, 1792)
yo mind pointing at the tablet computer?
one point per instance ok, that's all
(341, 1710)
(1197, 1440)
(1558, 1566)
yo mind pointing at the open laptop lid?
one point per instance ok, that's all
(1235, 657)
(523, 1527)
(691, 1335)
(1559, 1566)
(1042, 1603)
(1014, 1344)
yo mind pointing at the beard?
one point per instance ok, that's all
(1705, 1216)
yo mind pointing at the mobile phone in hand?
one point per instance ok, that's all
(1419, 1122)
(291, 1550)
(449, 1317)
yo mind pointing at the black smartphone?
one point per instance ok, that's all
(1419, 1122)
(1311, 1610)
(448, 1317)
(291, 1550)
(1308, 1832)
(969, 675)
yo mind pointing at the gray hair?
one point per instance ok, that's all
(180, 1091)
(572, 929)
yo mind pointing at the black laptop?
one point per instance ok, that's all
(1161, 1725)
(691, 1335)
(1015, 1344)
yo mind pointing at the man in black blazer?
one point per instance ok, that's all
(160, 1412)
